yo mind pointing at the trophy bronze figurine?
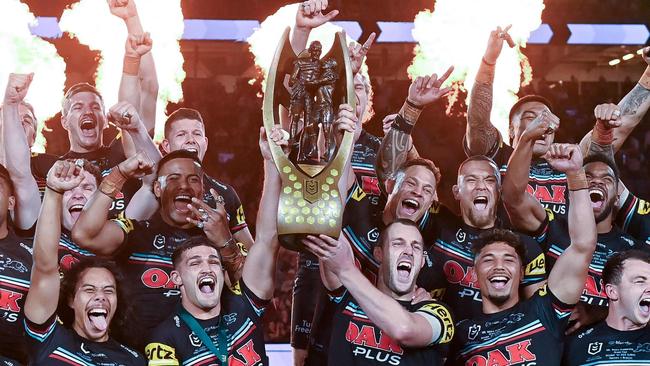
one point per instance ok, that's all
(308, 89)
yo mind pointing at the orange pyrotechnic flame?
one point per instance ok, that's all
(456, 33)
(23, 53)
(92, 23)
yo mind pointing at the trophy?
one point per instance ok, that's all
(309, 90)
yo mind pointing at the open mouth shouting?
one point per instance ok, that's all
(644, 306)
(75, 210)
(404, 268)
(87, 124)
(409, 207)
(207, 284)
(597, 196)
(97, 317)
(480, 202)
(499, 281)
(181, 200)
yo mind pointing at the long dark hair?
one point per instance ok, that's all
(69, 285)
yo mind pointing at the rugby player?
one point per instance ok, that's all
(551, 231)
(449, 270)
(217, 324)
(482, 138)
(143, 249)
(91, 298)
(623, 336)
(15, 270)
(379, 325)
(511, 330)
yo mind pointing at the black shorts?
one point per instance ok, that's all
(307, 289)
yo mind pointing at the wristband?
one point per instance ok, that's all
(487, 63)
(131, 65)
(53, 190)
(577, 181)
(410, 112)
(112, 184)
(602, 135)
(401, 125)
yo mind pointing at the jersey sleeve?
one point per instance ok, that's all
(553, 313)
(543, 235)
(256, 304)
(436, 312)
(535, 267)
(160, 349)
(128, 226)
(634, 218)
(41, 337)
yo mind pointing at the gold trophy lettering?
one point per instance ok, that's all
(308, 89)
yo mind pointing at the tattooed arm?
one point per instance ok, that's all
(396, 146)
(481, 136)
(632, 109)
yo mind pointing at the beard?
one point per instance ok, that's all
(609, 208)
(499, 300)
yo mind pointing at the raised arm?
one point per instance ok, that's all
(93, 230)
(42, 298)
(16, 149)
(525, 211)
(139, 83)
(397, 143)
(481, 136)
(409, 329)
(310, 15)
(567, 278)
(127, 118)
(632, 109)
(259, 269)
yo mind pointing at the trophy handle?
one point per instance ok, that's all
(309, 203)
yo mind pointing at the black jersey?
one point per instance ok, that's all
(599, 344)
(15, 273)
(145, 260)
(5, 361)
(356, 340)
(69, 252)
(448, 273)
(554, 238)
(546, 184)
(233, 206)
(174, 343)
(634, 218)
(104, 158)
(51, 343)
(530, 333)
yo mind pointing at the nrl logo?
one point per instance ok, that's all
(311, 186)
(159, 241)
(473, 331)
(460, 235)
(594, 347)
(196, 342)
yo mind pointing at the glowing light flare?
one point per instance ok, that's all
(456, 33)
(23, 52)
(629, 56)
(264, 40)
(91, 22)
(614, 62)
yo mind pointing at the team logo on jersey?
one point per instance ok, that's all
(373, 235)
(159, 241)
(473, 331)
(536, 267)
(594, 348)
(230, 318)
(461, 236)
(8, 263)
